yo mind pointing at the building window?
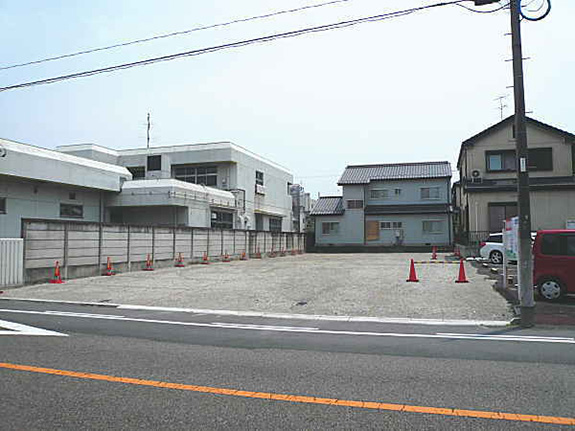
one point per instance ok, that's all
(540, 159)
(379, 194)
(498, 212)
(205, 175)
(397, 192)
(155, 163)
(72, 196)
(137, 172)
(71, 211)
(385, 225)
(500, 160)
(330, 228)
(354, 204)
(430, 193)
(222, 220)
(2, 205)
(259, 178)
(432, 226)
(275, 224)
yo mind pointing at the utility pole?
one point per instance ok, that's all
(148, 133)
(524, 264)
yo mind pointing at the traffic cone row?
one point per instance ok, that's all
(109, 268)
(149, 266)
(57, 279)
(462, 278)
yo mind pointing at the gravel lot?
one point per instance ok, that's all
(331, 284)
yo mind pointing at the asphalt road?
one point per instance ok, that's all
(525, 372)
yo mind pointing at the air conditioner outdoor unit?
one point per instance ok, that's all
(260, 190)
(476, 176)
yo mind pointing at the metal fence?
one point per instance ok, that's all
(83, 248)
(11, 253)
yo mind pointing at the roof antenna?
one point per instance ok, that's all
(148, 133)
(502, 106)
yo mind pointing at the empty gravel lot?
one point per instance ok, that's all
(331, 284)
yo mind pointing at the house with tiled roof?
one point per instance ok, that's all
(486, 193)
(386, 205)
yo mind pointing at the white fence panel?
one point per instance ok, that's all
(11, 262)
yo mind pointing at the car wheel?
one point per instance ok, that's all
(551, 289)
(496, 257)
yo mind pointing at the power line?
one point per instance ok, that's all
(263, 39)
(505, 6)
(176, 33)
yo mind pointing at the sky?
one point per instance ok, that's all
(400, 90)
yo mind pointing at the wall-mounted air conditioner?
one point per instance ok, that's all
(260, 190)
(476, 176)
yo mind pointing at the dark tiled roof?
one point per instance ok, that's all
(407, 209)
(328, 205)
(363, 174)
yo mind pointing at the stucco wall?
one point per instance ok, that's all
(34, 199)
(410, 191)
(412, 230)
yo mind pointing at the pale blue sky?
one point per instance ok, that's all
(408, 89)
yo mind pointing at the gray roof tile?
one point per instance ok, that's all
(328, 205)
(363, 174)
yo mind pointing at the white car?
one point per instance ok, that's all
(492, 247)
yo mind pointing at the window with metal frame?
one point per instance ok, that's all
(379, 194)
(275, 224)
(2, 205)
(354, 204)
(330, 228)
(428, 193)
(385, 225)
(259, 178)
(222, 220)
(432, 226)
(71, 211)
(155, 163)
(204, 175)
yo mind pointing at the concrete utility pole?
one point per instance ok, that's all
(524, 265)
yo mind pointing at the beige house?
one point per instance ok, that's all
(486, 193)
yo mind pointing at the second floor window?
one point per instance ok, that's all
(259, 178)
(379, 194)
(500, 160)
(155, 163)
(540, 159)
(429, 193)
(275, 224)
(2, 205)
(354, 204)
(206, 175)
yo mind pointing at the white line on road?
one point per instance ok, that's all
(19, 329)
(298, 329)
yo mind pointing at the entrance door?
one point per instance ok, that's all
(498, 212)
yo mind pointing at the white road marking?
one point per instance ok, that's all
(298, 329)
(19, 329)
(367, 319)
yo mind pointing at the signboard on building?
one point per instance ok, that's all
(510, 238)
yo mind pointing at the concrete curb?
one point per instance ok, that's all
(355, 319)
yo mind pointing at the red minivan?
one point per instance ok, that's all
(554, 263)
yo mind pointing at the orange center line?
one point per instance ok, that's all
(300, 398)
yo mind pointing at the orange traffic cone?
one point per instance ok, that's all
(412, 275)
(179, 261)
(149, 266)
(434, 253)
(205, 259)
(294, 252)
(243, 256)
(109, 268)
(457, 252)
(461, 278)
(57, 277)
(258, 254)
(226, 258)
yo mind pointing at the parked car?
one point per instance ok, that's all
(492, 248)
(554, 263)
